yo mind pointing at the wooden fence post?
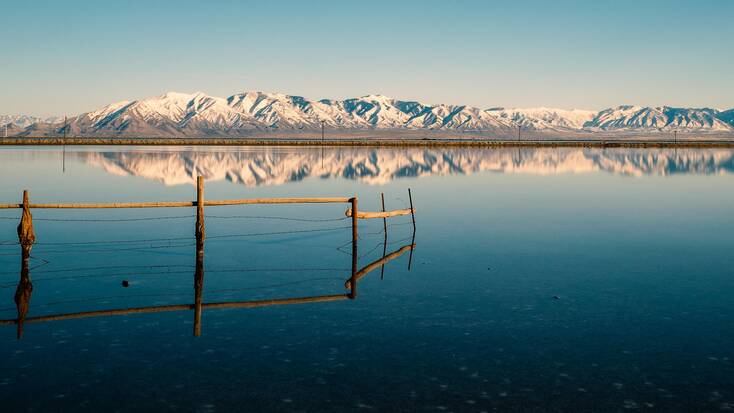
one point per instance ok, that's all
(353, 280)
(200, 207)
(26, 234)
(199, 274)
(412, 210)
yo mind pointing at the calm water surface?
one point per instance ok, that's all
(542, 280)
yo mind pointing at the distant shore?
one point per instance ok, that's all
(394, 142)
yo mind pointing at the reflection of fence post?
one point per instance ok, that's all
(353, 280)
(198, 286)
(199, 274)
(384, 244)
(412, 215)
(24, 289)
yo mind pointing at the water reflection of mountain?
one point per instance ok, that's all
(273, 166)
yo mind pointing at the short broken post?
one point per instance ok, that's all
(199, 273)
(26, 235)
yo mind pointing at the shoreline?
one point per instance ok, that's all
(374, 142)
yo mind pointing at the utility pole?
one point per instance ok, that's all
(322, 130)
(518, 132)
(63, 154)
(675, 136)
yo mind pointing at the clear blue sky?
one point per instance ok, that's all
(73, 56)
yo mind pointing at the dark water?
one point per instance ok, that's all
(542, 280)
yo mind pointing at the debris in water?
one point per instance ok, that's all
(125, 283)
(555, 297)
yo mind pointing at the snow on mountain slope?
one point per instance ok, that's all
(661, 118)
(23, 121)
(544, 118)
(198, 114)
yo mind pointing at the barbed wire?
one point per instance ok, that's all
(106, 219)
(282, 218)
(276, 218)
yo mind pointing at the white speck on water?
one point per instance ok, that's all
(287, 401)
(630, 404)
(617, 385)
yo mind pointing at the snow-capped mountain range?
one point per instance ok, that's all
(275, 166)
(23, 121)
(197, 114)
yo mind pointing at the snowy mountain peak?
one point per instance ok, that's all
(199, 114)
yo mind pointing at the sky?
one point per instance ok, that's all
(68, 57)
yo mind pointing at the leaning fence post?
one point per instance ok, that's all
(26, 235)
(353, 281)
(412, 210)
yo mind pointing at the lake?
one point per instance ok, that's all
(541, 280)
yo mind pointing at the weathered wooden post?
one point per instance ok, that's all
(26, 235)
(412, 210)
(353, 279)
(199, 273)
(200, 208)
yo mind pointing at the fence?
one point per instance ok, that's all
(27, 237)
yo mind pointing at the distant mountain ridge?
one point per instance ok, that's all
(197, 114)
